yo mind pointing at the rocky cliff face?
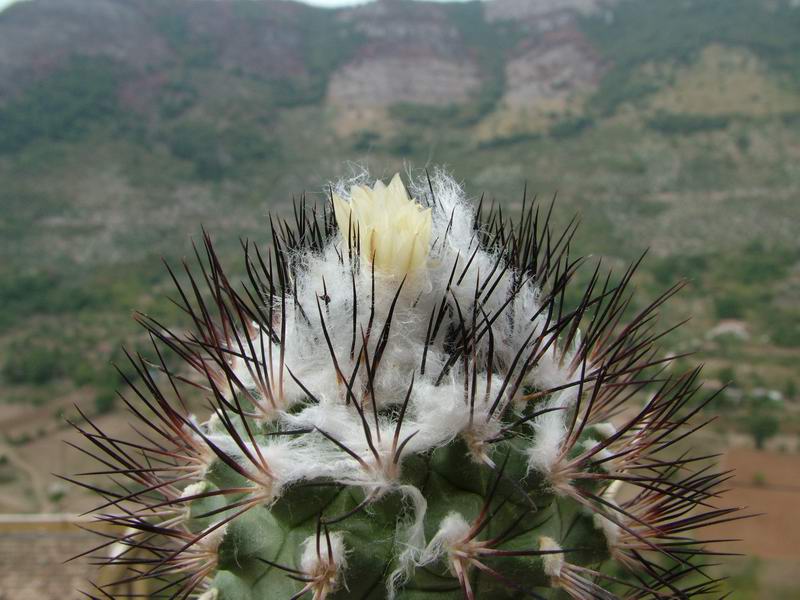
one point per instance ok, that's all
(37, 38)
(551, 69)
(506, 10)
(371, 57)
(411, 52)
(262, 38)
(151, 40)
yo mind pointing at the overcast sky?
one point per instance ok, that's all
(346, 2)
(4, 3)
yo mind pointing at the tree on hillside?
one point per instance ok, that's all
(762, 426)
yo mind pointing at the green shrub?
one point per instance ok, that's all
(759, 264)
(215, 153)
(729, 306)
(29, 363)
(791, 118)
(684, 124)
(404, 144)
(62, 106)
(197, 143)
(19, 440)
(247, 144)
(509, 140)
(570, 127)
(44, 292)
(727, 376)
(784, 326)
(175, 98)
(743, 142)
(762, 426)
(104, 402)
(790, 391)
(365, 140)
(619, 88)
(669, 269)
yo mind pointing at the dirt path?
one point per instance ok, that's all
(36, 481)
(34, 418)
(765, 482)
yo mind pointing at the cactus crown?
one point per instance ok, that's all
(403, 406)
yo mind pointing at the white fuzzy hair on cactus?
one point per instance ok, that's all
(451, 264)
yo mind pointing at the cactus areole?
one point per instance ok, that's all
(404, 405)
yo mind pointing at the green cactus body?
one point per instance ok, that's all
(267, 538)
(403, 407)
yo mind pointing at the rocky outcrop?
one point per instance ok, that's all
(37, 38)
(411, 53)
(263, 38)
(552, 67)
(516, 10)
(383, 81)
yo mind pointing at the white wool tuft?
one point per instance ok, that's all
(453, 529)
(553, 562)
(612, 490)
(610, 529)
(311, 562)
(590, 444)
(413, 540)
(605, 430)
(194, 489)
(214, 423)
(212, 540)
(211, 594)
(117, 549)
(550, 430)
(189, 491)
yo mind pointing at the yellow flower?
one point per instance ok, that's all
(393, 229)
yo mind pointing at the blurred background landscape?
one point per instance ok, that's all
(128, 125)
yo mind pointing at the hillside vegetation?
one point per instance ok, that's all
(127, 125)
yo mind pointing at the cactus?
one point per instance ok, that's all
(401, 404)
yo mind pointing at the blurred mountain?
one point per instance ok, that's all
(544, 58)
(126, 125)
(217, 89)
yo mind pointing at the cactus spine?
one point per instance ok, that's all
(403, 406)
